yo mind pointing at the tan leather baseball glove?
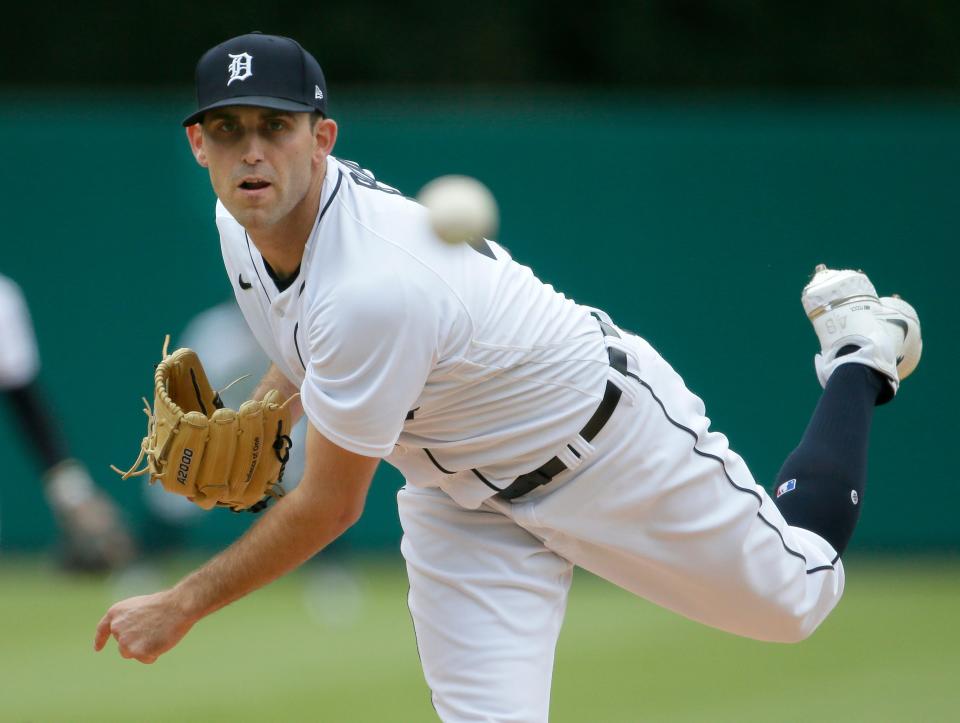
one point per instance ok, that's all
(212, 455)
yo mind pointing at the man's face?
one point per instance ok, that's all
(261, 161)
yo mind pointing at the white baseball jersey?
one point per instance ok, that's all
(19, 360)
(465, 371)
(453, 362)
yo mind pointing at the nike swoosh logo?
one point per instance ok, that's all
(898, 322)
(243, 284)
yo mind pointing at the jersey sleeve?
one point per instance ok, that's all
(371, 347)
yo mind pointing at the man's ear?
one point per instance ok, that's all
(325, 134)
(195, 137)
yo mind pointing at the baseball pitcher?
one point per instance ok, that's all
(534, 434)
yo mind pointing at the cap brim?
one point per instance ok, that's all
(260, 101)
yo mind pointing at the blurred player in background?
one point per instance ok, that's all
(93, 535)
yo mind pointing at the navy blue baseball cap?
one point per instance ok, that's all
(268, 71)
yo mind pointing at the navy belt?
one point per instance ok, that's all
(611, 396)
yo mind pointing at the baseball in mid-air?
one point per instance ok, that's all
(461, 208)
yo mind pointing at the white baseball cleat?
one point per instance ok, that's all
(896, 311)
(846, 312)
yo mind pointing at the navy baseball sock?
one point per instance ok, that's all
(820, 486)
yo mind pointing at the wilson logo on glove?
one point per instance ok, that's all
(211, 458)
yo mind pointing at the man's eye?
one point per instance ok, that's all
(276, 125)
(228, 127)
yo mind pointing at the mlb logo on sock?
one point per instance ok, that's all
(787, 486)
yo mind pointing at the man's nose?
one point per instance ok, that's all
(252, 149)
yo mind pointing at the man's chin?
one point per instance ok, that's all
(250, 217)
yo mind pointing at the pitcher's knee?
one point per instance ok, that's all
(784, 625)
(775, 621)
(796, 629)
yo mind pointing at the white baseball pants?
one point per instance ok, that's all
(660, 506)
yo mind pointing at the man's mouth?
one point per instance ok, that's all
(254, 185)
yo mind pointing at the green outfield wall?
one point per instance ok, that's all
(692, 222)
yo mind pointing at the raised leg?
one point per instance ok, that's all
(666, 510)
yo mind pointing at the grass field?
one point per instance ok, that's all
(334, 643)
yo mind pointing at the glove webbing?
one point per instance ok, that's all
(217, 402)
